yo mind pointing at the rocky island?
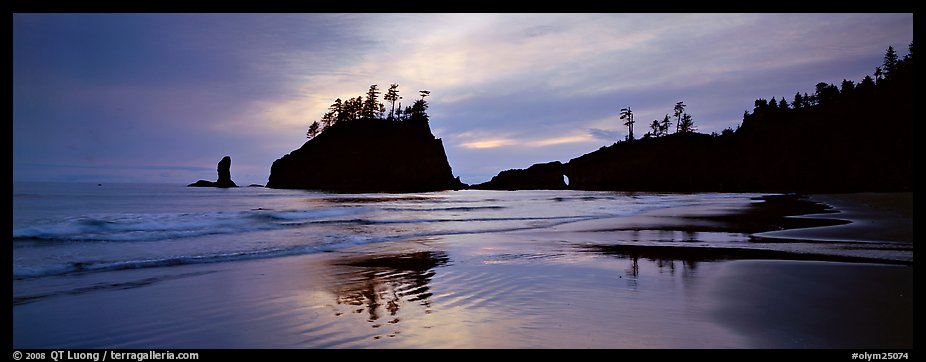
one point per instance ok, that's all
(357, 148)
(814, 143)
(224, 180)
(542, 176)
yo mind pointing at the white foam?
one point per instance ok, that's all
(163, 226)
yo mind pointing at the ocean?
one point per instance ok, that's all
(167, 266)
(62, 228)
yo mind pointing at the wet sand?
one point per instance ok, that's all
(817, 305)
(566, 287)
(878, 217)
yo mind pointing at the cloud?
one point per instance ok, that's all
(508, 89)
(604, 134)
(490, 143)
(499, 142)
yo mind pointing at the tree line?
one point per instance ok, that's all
(893, 67)
(371, 108)
(843, 137)
(683, 122)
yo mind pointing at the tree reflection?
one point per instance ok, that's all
(634, 267)
(381, 284)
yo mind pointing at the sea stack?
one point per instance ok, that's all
(368, 155)
(541, 176)
(224, 181)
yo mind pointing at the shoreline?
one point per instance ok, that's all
(414, 295)
(567, 286)
(872, 217)
(811, 304)
(841, 228)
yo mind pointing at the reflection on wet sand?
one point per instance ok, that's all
(662, 261)
(381, 284)
(690, 256)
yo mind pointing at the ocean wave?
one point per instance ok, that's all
(46, 270)
(37, 271)
(29, 298)
(582, 198)
(380, 199)
(465, 220)
(91, 266)
(163, 226)
(454, 208)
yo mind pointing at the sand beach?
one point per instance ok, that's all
(568, 286)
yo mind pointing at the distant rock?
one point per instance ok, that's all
(202, 183)
(679, 162)
(368, 155)
(224, 181)
(224, 170)
(541, 176)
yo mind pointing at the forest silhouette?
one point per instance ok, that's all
(370, 108)
(357, 146)
(821, 142)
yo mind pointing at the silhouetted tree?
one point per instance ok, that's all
(358, 108)
(371, 105)
(392, 95)
(686, 124)
(328, 120)
(773, 105)
(655, 128)
(332, 115)
(418, 110)
(878, 74)
(313, 130)
(783, 104)
(407, 112)
(890, 62)
(350, 110)
(798, 102)
(338, 109)
(905, 65)
(679, 109)
(826, 93)
(664, 127)
(399, 113)
(866, 85)
(847, 87)
(627, 115)
(760, 106)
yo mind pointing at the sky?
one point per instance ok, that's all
(163, 97)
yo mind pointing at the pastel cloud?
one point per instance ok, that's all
(508, 89)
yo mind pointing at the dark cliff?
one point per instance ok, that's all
(368, 155)
(541, 176)
(855, 137)
(224, 181)
(860, 141)
(679, 162)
